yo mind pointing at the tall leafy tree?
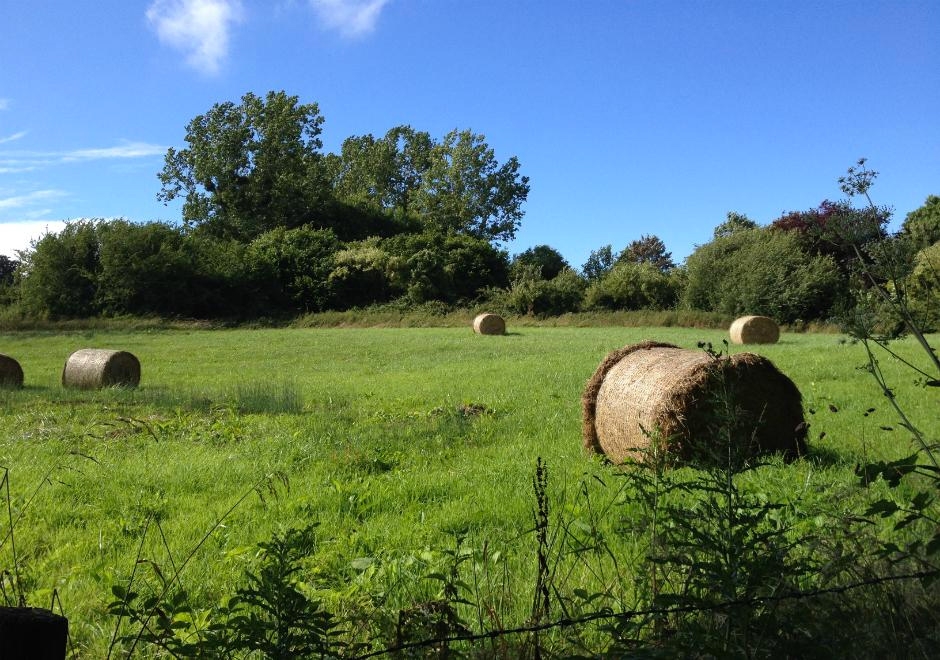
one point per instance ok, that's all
(734, 222)
(598, 263)
(249, 167)
(467, 191)
(452, 186)
(648, 249)
(545, 258)
(922, 225)
(381, 174)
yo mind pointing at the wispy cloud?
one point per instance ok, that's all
(28, 199)
(126, 150)
(12, 138)
(199, 28)
(14, 161)
(352, 18)
(4, 104)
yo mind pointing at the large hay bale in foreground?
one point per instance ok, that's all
(92, 368)
(489, 324)
(754, 330)
(683, 397)
(11, 373)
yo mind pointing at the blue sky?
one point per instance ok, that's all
(629, 117)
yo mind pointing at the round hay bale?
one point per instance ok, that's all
(489, 324)
(93, 368)
(683, 397)
(11, 373)
(754, 330)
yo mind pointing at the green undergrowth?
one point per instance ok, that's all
(412, 451)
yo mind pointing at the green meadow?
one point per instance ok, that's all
(402, 444)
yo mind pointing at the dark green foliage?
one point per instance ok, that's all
(734, 223)
(455, 185)
(249, 168)
(598, 263)
(546, 258)
(924, 288)
(530, 294)
(272, 614)
(632, 285)
(143, 268)
(922, 225)
(765, 272)
(58, 277)
(292, 266)
(648, 250)
(363, 273)
(7, 279)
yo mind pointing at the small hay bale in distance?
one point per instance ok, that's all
(754, 330)
(11, 373)
(659, 390)
(489, 324)
(94, 368)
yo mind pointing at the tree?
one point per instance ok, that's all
(143, 268)
(547, 259)
(249, 168)
(294, 266)
(455, 186)
(763, 271)
(466, 191)
(836, 229)
(632, 285)
(922, 225)
(598, 263)
(381, 175)
(58, 276)
(648, 250)
(7, 278)
(735, 222)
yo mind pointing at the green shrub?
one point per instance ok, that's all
(631, 285)
(762, 271)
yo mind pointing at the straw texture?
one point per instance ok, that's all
(11, 373)
(489, 324)
(93, 368)
(754, 330)
(653, 389)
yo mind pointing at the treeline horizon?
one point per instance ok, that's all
(273, 228)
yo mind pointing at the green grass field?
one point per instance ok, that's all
(397, 441)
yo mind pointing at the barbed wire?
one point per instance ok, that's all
(602, 615)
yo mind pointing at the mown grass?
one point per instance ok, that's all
(397, 441)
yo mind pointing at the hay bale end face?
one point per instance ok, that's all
(94, 368)
(754, 330)
(654, 390)
(11, 373)
(489, 324)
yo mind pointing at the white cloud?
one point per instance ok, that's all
(352, 18)
(27, 161)
(126, 150)
(13, 138)
(4, 104)
(199, 28)
(20, 201)
(19, 235)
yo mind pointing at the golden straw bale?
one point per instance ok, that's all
(11, 373)
(489, 324)
(93, 368)
(754, 330)
(659, 390)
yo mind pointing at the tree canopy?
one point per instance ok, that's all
(249, 167)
